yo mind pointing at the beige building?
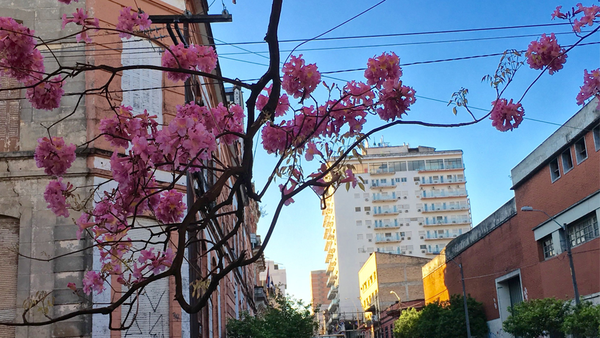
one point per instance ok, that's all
(318, 296)
(387, 278)
(414, 203)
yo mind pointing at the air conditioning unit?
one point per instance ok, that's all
(419, 210)
(452, 208)
(368, 212)
(406, 211)
(423, 251)
(408, 238)
(405, 197)
(417, 183)
(366, 200)
(368, 226)
(370, 240)
(421, 237)
(387, 239)
(410, 252)
(453, 221)
(420, 223)
(402, 238)
(441, 236)
(401, 224)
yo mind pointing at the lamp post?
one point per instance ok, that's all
(462, 279)
(568, 244)
(395, 294)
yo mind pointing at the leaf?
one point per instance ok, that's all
(454, 111)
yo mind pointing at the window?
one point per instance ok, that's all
(367, 208)
(580, 151)
(596, 133)
(417, 179)
(584, 230)
(434, 164)
(357, 209)
(369, 236)
(554, 171)
(424, 247)
(10, 114)
(359, 236)
(567, 160)
(548, 246)
(453, 163)
(402, 179)
(358, 223)
(356, 195)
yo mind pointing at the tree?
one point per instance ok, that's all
(406, 326)
(536, 317)
(285, 318)
(442, 319)
(185, 146)
(583, 320)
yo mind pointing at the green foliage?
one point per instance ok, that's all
(536, 317)
(583, 321)
(286, 318)
(406, 326)
(443, 320)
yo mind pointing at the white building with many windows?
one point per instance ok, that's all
(415, 201)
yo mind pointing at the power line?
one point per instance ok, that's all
(468, 30)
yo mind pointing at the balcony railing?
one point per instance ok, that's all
(387, 225)
(332, 293)
(444, 181)
(333, 306)
(396, 251)
(441, 207)
(443, 194)
(382, 171)
(331, 280)
(385, 198)
(436, 235)
(436, 222)
(384, 239)
(384, 212)
(442, 168)
(383, 185)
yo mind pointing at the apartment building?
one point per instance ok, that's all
(415, 201)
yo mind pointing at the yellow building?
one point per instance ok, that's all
(386, 278)
(434, 274)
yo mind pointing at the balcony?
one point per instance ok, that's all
(384, 212)
(332, 293)
(441, 207)
(385, 198)
(331, 280)
(388, 239)
(331, 266)
(442, 182)
(334, 305)
(433, 252)
(436, 236)
(431, 194)
(387, 225)
(436, 222)
(441, 168)
(328, 257)
(383, 185)
(396, 251)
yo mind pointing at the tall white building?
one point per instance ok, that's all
(414, 203)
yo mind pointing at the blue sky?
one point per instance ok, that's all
(489, 155)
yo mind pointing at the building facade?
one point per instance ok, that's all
(415, 201)
(274, 278)
(318, 297)
(27, 225)
(387, 279)
(519, 252)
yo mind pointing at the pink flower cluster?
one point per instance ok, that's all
(128, 20)
(202, 58)
(546, 52)
(55, 195)
(155, 262)
(54, 156)
(122, 128)
(92, 281)
(299, 79)
(283, 104)
(589, 15)
(591, 86)
(396, 100)
(81, 18)
(382, 68)
(46, 95)
(20, 59)
(170, 208)
(506, 115)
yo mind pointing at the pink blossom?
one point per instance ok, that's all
(299, 80)
(558, 14)
(350, 178)
(92, 281)
(83, 222)
(120, 129)
(81, 18)
(72, 286)
(546, 52)
(589, 14)
(20, 59)
(506, 115)
(396, 100)
(286, 191)
(228, 120)
(46, 95)
(128, 20)
(202, 58)
(382, 68)
(311, 151)
(56, 196)
(591, 86)
(275, 138)
(170, 209)
(283, 104)
(54, 156)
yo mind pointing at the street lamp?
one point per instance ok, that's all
(568, 240)
(395, 294)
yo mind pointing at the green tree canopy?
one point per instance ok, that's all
(536, 317)
(285, 318)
